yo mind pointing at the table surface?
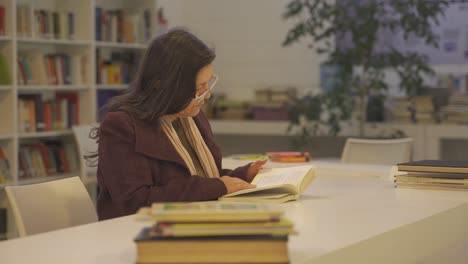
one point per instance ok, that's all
(336, 211)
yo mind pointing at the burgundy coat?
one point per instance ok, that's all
(138, 166)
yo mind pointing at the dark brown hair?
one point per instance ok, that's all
(165, 81)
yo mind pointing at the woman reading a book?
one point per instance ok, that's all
(155, 145)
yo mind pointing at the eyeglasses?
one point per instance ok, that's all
(211, 83)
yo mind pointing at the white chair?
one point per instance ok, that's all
(86, 146)
(377, 151)
(48, 206)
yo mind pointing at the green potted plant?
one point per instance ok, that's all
(361, 65)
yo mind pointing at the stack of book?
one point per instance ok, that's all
(457, 110)
(419, 109)
(434, 174)
(289, 156)
(272, 103)
(213, 232)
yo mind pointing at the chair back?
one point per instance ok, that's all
(85, 145)
(377, 151)
(52, 205)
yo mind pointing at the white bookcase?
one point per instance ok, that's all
(83, 43)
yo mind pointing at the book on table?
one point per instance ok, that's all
(213, 232)
(280, 227)
(212, 211)
(445, 166)
(433, 174)
(211, 249)
(276, 185)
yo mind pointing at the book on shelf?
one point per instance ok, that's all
(209, 212)
(42, 23)
(118, 68)
(41, 112)
(445, 166)
(276, 185)
(2, 20)
(211, 249)
(5, 77)
(37, 68)
(5, 173)
(123, 25)
(47, 158)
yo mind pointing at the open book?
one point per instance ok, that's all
(276, 185)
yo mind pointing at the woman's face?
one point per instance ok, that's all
(202, 85)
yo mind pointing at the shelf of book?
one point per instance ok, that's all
(112, 86)
(45, 134)
(54, 41)
(48, 64)
(42, 88)
(120, 45)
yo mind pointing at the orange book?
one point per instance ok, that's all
(32, 115)
(290, 159)
(64, 159)
(52, 71)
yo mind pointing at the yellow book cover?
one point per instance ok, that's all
(281, 227)
(212, 211)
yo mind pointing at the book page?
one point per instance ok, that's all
(271, 177)
(281, 180)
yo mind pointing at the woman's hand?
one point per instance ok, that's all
(235, 184)
(255, 168)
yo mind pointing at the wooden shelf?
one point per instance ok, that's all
(54, 41)
(112, 86)
(6, 137)
(45, 134)
(6, 87)
(42, 88)
(6, 38)
(119, 45)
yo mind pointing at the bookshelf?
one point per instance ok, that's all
(57, 60)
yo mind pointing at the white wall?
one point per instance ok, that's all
(247, 36)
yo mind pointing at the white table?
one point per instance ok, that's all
(335, 213)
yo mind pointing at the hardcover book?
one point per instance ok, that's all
(447, 166)
(211, 249)
(276, 185)
(212, 211)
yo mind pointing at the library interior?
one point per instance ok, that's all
(222, 131)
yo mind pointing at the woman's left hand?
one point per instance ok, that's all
(255, 168)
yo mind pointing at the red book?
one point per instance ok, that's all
(64, 159)
(288, 154)
(2, 20)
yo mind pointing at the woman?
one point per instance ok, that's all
(155, 145)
